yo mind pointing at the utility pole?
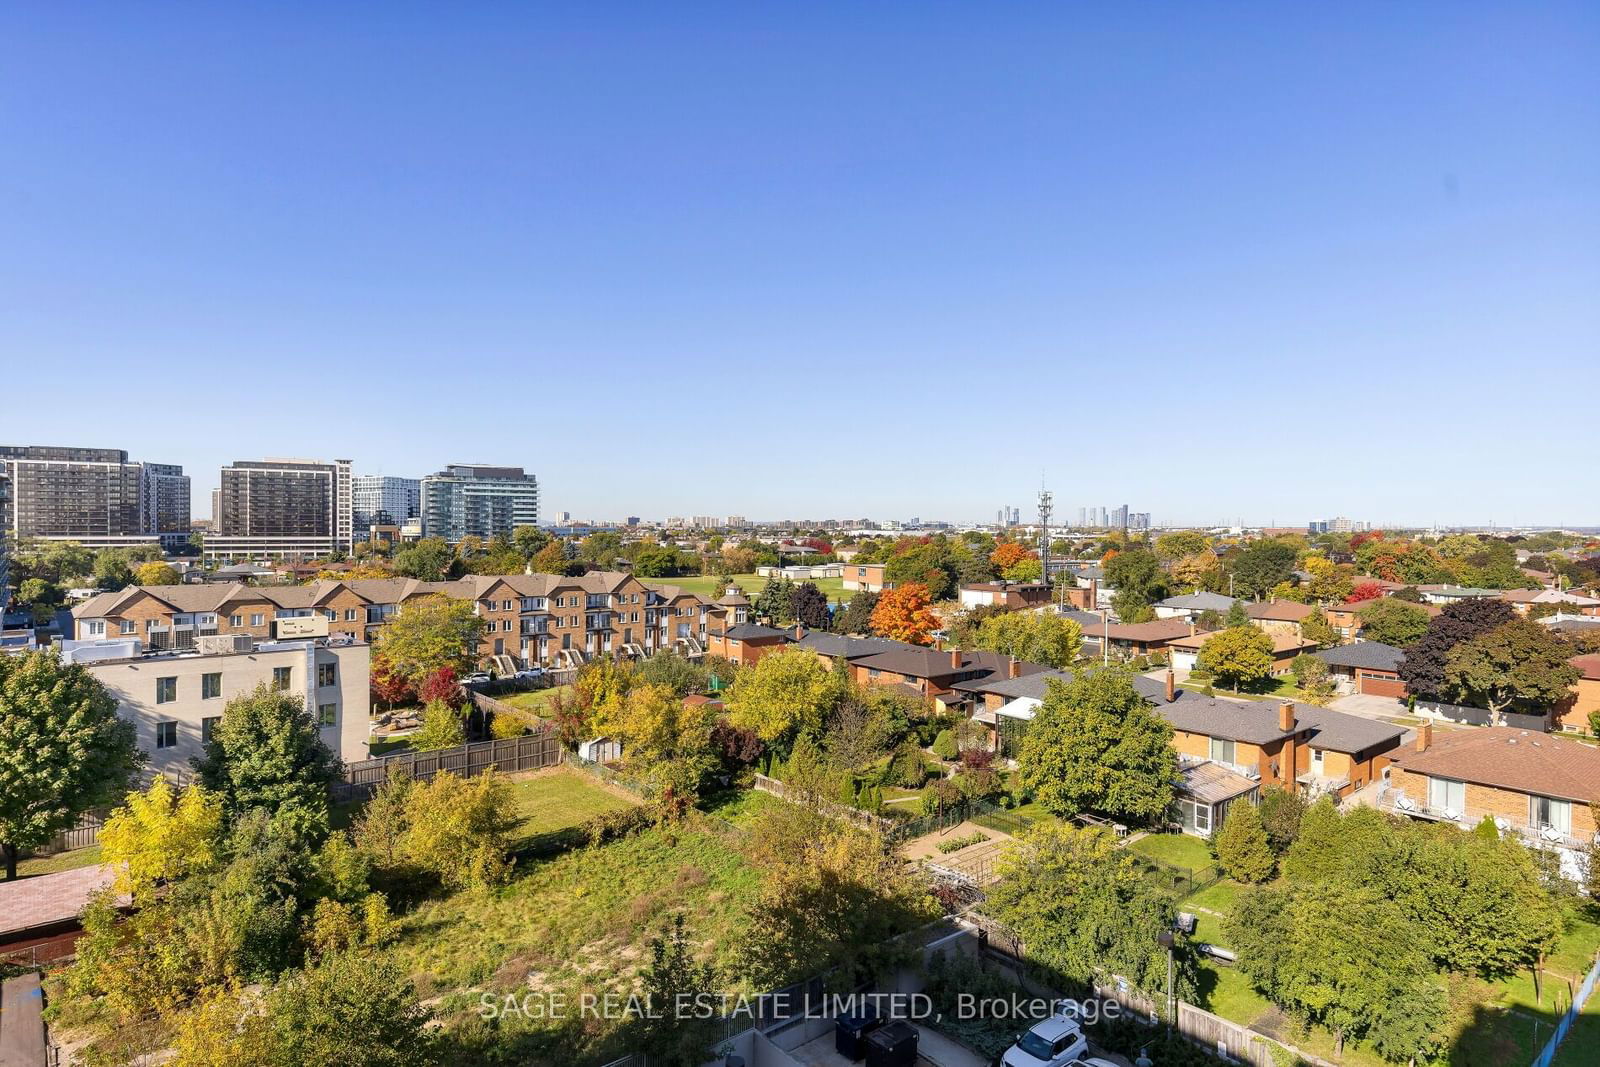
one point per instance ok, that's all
(1044, 533)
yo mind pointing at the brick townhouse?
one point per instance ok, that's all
(532, 618)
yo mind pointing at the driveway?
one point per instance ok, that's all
(1370, 707)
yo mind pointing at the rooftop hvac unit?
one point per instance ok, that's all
(222, 644)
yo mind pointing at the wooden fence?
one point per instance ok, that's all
(530, 752)
(864, 819)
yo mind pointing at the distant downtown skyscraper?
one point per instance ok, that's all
(381, 499)
(282, 508)
(478, 500)
(95, 496)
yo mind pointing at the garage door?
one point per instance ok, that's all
(1375, 685)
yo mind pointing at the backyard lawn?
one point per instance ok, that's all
(535, 701)
(1184, 851)
(553, 803)
(61, 861)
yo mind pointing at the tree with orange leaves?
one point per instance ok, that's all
(904, 614)
(1007, 554)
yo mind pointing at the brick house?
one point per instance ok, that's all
(1585, 695)
(865, 576)
(1369, 667)
(1129, 639)
(1185, 651)
(746, 642)
(1303, 747)
(1280, 616)
(1346, 618)
(936, 674)
(1537, 786)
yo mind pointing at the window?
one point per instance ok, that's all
(506, 605)
(151, 624)
(166, 690)
(327, 674)
(349, 614)
(1447, 795)
(235, 620)
(257, 619)
(210, 686)
(1547, 814)
(208, 726)
(327, 714)
(281, 677)
(166, 734)
(126, 626)
(1222, 750)
(333, 616)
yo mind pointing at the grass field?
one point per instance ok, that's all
(553, 803)
(575, 923)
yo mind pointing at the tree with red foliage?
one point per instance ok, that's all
(904, 613)
(441, 685)
(817, 545)
(736, 746)
(1357, 540)
(1007, 554)
(1364, 591)
(388, 687)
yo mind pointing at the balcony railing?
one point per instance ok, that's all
(1397, 802)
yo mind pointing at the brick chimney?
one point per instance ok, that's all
(955, 659)
(1172, 686)
(1424, 736)
(1191, 625)
(1286, 716)
(1014, 668)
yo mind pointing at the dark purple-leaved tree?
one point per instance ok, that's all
(1423, 669)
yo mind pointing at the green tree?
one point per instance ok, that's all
(1317, 629)
(63, 750)
(529, 540)
(1084, 908)
(358, 1009)
(1393, 622)
(1260, 566)
(1242, 847)
(1342, 956)
(857, 615)
(784, 691)
(1138, 580)
(427, 560)
(673, 976)
(551, 559)
(1312, 676)
(1423, 668)
(1095, 745)
(441, 728)
(774, 602)
(1237, 656)
(427, 635)
(40, 595)
(1174, 546)
(1037, 637)
(268, 753)
(1236, 615)
(1519, 666)
(1281, 810)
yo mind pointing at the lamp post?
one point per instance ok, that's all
(1166, 940)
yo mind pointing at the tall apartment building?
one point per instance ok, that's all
(477, 500)
(384, 501)
(1338, 525)
(282, 508)
(93, 495)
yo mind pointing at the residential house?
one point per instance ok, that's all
(1185, 651)
(1303, 747)
(1537, 786)
(831, 648)
(1129, 639)
(1368, 667)
(1280, 616)
(746, 642)
(1523, 601)
(1005, 703)
(1193, 605)
(936, 674)
(1444, 595)
(1585, 695)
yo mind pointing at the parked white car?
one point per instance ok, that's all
(1056, 1042)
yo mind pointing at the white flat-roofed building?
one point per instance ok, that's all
(175, 699)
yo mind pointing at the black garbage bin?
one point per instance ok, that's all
(892, 1045)
(849, 1031)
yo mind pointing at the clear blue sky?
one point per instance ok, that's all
(1275, 261)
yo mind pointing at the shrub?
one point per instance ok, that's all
(956, 844)
(944, 746)
(502, 727)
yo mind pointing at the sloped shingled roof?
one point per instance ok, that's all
(1371, 655)
(1256, 723)
(1508, 758)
